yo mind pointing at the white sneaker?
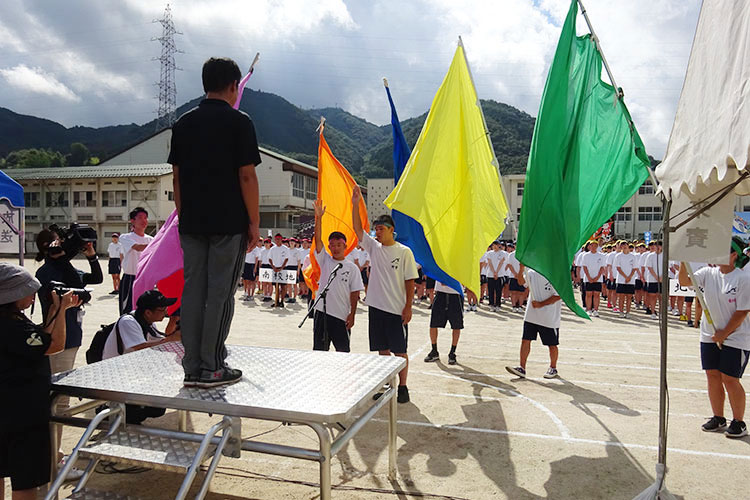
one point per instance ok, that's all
(551, 373)
(626, 315)
(675, 312)
(595, 314)
(74, 474)
(655, 316)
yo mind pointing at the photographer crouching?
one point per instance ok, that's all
(25, 381)
(57, 247)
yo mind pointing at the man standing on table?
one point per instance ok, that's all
(214, 153)
(334, 322)
(389, 295)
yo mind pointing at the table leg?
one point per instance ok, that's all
(325, 460)
(182, 420)
(54, 441)
(392, 432)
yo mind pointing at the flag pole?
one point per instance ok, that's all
(481, 112)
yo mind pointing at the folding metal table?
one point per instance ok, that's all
(312, 388)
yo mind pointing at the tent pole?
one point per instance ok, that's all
(663, 317)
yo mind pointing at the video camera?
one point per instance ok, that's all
(61, 289)
(73, 239)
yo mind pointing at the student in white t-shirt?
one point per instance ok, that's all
(593, 267)
(483, 270)
(334, 318)
(133, 244)
(517, 290)
(278, 256)
(389, 296)
(578, 266)
(626, 269)
(652, 272)
(542, 317)
(725, 348)
(251, 269)
(495, 263)
(640, 249)
(114, 250)
(266, 286)
(292, 265)
(447, 307)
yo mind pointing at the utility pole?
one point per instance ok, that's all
(166, 84)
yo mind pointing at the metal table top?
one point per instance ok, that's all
(277, 384)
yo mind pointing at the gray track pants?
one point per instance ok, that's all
(212, 268)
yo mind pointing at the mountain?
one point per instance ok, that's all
(364, 148)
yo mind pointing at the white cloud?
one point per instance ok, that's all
(38, 81)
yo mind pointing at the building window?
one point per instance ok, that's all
(113, 217)
(58, 217)
(267, 220)
(143, 195)
(114, 198)
(85, 218)
(31, 199)
(518, 214)
(298, 185)
(624, 214)
(649, 213)
(311, 188)
(746, 208)
(170, 195)
(646, 188)
(84, 198)
(519, 189)
(57, 199)
(31, 217)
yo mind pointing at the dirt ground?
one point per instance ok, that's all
(473, 431)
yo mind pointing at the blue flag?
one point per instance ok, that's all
(408, 231)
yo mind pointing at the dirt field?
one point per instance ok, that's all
(472, 431)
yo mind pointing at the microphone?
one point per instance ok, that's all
(338, 266)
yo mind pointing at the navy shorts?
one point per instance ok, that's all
(447, 308)
(483, 279)
(387, 332)
(594, 287)
(728, 360)
(430, 283)
(365, 278)
(248, 272)
(549, 336)
(689, 300)
(113, 266)
(653, 288)
(515, 286)
(337, 333)
(638, 284)
(625, 289)
(25, 456)
(611, 285)
(420, 276)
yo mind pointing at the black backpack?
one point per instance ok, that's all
(96, 349)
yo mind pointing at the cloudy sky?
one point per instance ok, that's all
(88, 62)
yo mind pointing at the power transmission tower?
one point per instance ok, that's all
(167, 88)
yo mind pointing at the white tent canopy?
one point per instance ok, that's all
(710, 140)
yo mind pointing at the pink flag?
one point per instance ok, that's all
(161, 264)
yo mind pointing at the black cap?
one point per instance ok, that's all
(152, 299)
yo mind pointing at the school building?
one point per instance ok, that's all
(103, 195)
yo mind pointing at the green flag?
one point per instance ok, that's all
(586, 160)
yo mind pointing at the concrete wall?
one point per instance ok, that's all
(377, 191)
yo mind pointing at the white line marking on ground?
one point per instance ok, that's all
(571, 440)
(418, 352)
(555, 419)
(598, 365)
(549, 403)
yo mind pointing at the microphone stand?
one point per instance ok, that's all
(322, 295)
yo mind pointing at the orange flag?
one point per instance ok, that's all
(335, 187)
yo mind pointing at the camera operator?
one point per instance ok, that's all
(25, 381)
(58, 268)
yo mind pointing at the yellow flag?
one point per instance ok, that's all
(451, 183)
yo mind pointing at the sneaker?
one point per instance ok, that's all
(518, 371)
(190, 380)
(648, 311)
(615, 309)
(432, 356)
(114, 292)
(683, 317)
(715, 424)
(551, 373)
(654, 316)
(451, 359)
(474, 308)
(224, 376)
(626, 315)
(736, 429)
(403, 394)
(595, 314)
(74, 474)
(690, 323)
(675, 312)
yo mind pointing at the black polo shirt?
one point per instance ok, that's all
(209, 144)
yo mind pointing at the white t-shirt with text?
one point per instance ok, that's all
(725, 294)
(348, 279)
(391, 266)
(540, 290)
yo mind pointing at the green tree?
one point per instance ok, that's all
(79, 154)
